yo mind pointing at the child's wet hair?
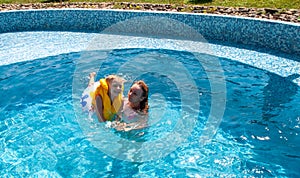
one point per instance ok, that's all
(110, 78)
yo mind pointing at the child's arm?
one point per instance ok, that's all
(92, 78)
(99, 109)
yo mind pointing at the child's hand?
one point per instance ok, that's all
(108, 125)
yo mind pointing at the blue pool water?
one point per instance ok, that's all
(43, 132)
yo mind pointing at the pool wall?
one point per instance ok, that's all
(282, 36)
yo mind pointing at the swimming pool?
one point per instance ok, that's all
(43, 132)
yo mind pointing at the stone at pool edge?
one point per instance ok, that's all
(288, 15)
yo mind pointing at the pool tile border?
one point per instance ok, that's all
(281, 36)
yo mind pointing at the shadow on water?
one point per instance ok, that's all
(279, 116)
(262, 110)
(279, 91)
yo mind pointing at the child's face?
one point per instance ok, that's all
(116, 87)
(135, 94)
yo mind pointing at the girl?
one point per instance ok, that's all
(104, 97)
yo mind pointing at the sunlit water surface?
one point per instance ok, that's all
(42, 134)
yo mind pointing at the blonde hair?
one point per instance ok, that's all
(110, 78)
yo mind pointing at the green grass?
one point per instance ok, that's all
(289, 4)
